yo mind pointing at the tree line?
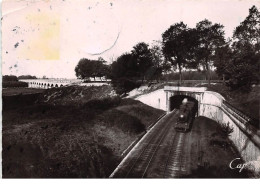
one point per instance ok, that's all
(8, 78)
(203, 48)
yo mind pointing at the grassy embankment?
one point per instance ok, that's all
(212, 151)
(246, 102)
(20, 90)
(71, 132)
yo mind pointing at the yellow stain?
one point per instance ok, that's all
(44, 43)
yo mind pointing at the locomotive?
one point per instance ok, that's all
(186, 115)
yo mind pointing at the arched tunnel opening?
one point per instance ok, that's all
(176, 101)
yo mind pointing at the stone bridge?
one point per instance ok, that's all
(210, 104)
(49, 83)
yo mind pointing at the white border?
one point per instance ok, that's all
(1, 91)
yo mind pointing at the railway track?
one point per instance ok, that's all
(158, 155)
(141, 163)
(176, 163)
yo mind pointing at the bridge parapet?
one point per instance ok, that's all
(185, 89)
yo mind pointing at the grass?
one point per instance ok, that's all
(20, 90)
(212, 151)
(83, 137)
(13, 84)
(76, 94)
(246, 102)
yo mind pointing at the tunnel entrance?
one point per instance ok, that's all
(176, 101)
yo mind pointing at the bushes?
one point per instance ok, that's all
(124, 85)
(190, 75)
(7, 84)
(221, 137)
(102, 104)
(26, 77)
(10, 78)
(12, 81)
(226, 129)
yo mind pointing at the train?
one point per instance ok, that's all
(186, 116)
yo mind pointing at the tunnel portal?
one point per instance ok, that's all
(176, 101)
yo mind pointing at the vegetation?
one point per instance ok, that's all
(246, 102)
(177, 45)
(12, 81)
(10, 78)
(124, 73)
(189, 75)
(26, 77)
(80, 138)
(19, 91)
(203, 48)
(91, 68)
(143, 64)
(211, 152)
(210, 37)
(242, 69)
(226, 129)
(14, 84)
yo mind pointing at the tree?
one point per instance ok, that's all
(248, 32)
(124, 66)
(177, 46)
(242, 69)
(27, 77)
(8, 78)
(91, 68)
(84, 68)
(222, 61)
(124, 73)
(210, 37)
(143, 58)
(159, 64)
(239, 62)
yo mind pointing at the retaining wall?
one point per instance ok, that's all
(245, 137)
(212, 105)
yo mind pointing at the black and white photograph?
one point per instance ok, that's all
(130, 89)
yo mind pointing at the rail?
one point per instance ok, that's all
(149, 151)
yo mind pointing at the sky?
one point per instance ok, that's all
(49, 37)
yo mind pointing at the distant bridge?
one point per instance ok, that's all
(50, 83)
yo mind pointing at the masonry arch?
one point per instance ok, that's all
(176, 100)
(56, 85)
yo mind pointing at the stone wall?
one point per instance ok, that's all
(245, 137)
(154, 99)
